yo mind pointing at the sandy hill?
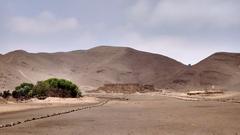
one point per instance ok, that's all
(105, 64)
(92, 67)
(220, 70)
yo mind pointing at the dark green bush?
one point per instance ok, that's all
(62, 88)
(6, 94)
(40, 89)
(15, 94)
(22, 91)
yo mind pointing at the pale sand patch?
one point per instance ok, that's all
(5, 108)
(48, 102)
(185, 96)
(56, 100)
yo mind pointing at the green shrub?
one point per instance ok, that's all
(22, 91)
(62, 88)
(40, 89)
(15, 94)
(6, 94)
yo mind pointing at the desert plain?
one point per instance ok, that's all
(139, 114)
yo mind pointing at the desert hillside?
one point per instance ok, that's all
(93, 67)
(105, 64)
(220, 70)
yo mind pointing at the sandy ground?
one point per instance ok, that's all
(227, 95)
(9, 106)
(140, 115)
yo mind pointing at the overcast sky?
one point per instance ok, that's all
(186, 30)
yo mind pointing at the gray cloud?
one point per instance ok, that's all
(186, 17)
(44, 23)
(187, 30)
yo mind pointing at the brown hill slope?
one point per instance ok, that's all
(92, 67)
(221, 70)
(105, 64)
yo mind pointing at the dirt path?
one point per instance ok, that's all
(141, 115)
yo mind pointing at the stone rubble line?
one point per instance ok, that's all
(52, 115)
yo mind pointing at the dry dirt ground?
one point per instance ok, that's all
(10, 106)
(140, 115)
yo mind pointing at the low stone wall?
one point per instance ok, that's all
(205, 92)
(126, 88)
(11, 124)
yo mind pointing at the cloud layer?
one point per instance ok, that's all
(43, 23)
(176, 17)
(186, 30)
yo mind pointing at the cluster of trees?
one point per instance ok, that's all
(49, 88)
